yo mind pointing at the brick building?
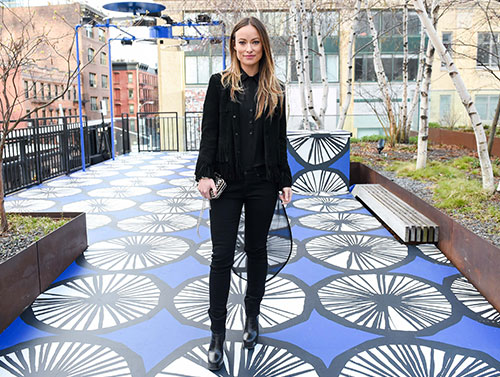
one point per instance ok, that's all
(135, 88)
(45, 77)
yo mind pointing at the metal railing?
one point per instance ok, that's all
(49, 147)
(158, 131)
(192, 128)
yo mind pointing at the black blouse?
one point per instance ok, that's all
(252, 140)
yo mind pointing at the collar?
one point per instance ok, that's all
(244, 76)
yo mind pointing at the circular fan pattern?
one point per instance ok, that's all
(432, 252)
(356, 252)
(119, 192)
(317, 149)
(383, 303)
(340, 222)
(149, 173)
(184, 192)
(283, 302)
(319, 182)
(162, 165)
(99, 205)
(73, 182)
(327, 204)
(187, 173)
(188, 182)
(135, 252)
(98, 302)
(172, 205)
(96, 221)
(409, 360)
(468, 295)
(137, 181)
(91, 173)
(28, 205)
(53, 357)
(264, 360)
(49, 192)
(157, 223)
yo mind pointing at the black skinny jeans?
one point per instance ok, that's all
(259, 197)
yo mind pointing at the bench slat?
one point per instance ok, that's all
(409, 224)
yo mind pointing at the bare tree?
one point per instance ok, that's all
(350, 62)
(484, 159)
(24, 45)
(423, 126)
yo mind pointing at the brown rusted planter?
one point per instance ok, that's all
(28, 273)
(473, 256)
(463, 139)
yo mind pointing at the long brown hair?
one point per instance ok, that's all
(269, 93)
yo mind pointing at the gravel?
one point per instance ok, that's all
(14, 243)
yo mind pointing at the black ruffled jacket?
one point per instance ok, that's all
(220, 139)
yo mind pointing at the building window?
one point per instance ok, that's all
(93, 104)
(197, 69)
(50, 90)
(89, 32)
(447, 44)
(131, 108)
(486, 105)
(488, 49)
(92, 80)
(42, 90)
(56, 88)
(34, 89)
(104, 81)
(74, 93)
(106, 102)
(101, 35)
(103, 58)
(444, 108)
(130, 93)
(26, 89)
(130, 77)
(90, 54)
(364, 69)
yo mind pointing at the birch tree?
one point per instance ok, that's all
(482, 147)
(350, 62)
(423, 125)
(403, 113)
(382, 78)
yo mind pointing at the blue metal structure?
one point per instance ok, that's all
(131, 38)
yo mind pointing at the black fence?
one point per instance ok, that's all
(158, 131)
(43, 148)
(192, 130)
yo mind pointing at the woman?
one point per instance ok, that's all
(244, 140)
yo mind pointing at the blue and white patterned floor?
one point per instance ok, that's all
(351, 302)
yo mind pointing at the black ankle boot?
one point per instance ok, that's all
(216, 352)
(251, 332)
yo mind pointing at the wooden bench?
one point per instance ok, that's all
(405, 221)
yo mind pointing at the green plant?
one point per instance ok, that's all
(434, 125)
(413, 140)
(372, 138)
(354, 140)
(23, 225)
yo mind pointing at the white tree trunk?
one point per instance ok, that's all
(288, 77)
(299, 60)
(404, 105)
(482, 144)
(423, 125)
(418, 80)
(304, 21)
(381, 77)
(322, 63)
(352, 38)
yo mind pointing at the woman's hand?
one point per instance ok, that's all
(204, 187)
(286, 195)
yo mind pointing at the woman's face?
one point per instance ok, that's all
(248, 46)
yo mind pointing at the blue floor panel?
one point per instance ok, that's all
(352, 301)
